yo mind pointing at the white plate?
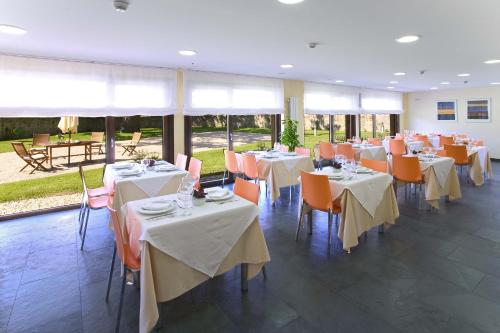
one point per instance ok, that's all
(119, 166)
(229, 195)
(132, 172)
(290, 154)
(156, 206)
(335, 177)
(364, 170)
(165, 168)
(156, 212)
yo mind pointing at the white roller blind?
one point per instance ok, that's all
(32, 87)
(214, 94)
(330, 99)
(381, 102)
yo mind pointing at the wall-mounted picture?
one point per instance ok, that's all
(447, 110)
(478, 110)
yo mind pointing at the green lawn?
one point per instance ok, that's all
(49, 186)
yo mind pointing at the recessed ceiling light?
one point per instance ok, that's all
(434, 88)
(390, 87)
(188, 53)
(492, 61)
(290, 2)
(495, 83)
(445, 82)
(286, 66)
(339, 81)
(407, 39)
(12, 29)
(400, 73)
(463, 75)
(393, 82)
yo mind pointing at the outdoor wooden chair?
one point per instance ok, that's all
(33, 160)
(98, 138)
(130, 147)
(39, 143)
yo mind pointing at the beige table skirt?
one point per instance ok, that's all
(373, 153)
(279, 175)
(476, 172)
(434, 191)
(164, 278)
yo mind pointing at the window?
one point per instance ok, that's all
(383, 125)
(366, 126)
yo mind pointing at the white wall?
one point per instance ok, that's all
(420, 115)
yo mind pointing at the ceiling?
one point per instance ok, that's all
(255, 36)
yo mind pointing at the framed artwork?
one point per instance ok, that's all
(447, 110)
(478, 110)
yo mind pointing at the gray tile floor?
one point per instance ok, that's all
(432, 272)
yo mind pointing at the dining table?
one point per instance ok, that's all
(367, 200)
(411, 145)
(479, 164)
(185, 247)
(369, 152)
(280, 169)
(147, 182)
(69, 144)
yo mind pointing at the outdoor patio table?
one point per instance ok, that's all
(282, 170)
(367, 201)
(180, 252)
(85, 144)
(148, 184)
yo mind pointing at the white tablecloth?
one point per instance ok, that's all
(147, 184)
(178, 253)
(442, 167)
(377, 153)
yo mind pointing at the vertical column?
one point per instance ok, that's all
(229, 132)
(188, 135)
(110, 139)
(395, 124)
(168, 138)
(374, 126)
(331, 129)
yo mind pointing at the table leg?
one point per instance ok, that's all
(69, 156)
(90, 152)
(50, 157)
(244, 277)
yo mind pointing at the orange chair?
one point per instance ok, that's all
(446, 140)
(459, 154)
(181, 161)
(303, 151)
(397, 147)
(194, 170)
(326, 152)
(380, 166)
(441, 153)
(92, 192)
(89, 203)
(129, 262)
(406, 169)
(316, 194)
(424, 139)
(346, 150)
(231, 164)
(375, 141)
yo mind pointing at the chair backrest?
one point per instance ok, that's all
(97, 136)
(326, 151)
(41, 139)
(20, 149)
(399, 136)
(441, 153)
(230, 161)
(424, 139)
(250, 166)
(446, 140)
(303, 151)
(195, 167)
(397, 147)
(346, 150)
(136, 137)
(406, 168)
(457, 152)
(316, 191)
(380, 166)
(374, 141)
(117, 230)
(181, 161)
(247, 190)
(284, 149)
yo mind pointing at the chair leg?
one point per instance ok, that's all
(310, 221)
(301, 216)
(85, 212)
(124, 281)
(111, 273)
(85, 228)
(264, 273)
(81, 209)
(329, 228)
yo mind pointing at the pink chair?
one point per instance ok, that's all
(129, 262)
(181, 161)
(303, 151)
(92, 192)
(195, 170)
(231, 164)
